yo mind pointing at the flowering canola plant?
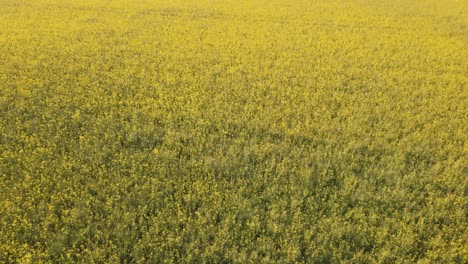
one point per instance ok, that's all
(253, 131)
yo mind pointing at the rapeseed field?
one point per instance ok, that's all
(248, 131)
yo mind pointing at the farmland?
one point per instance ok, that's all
(246, 131)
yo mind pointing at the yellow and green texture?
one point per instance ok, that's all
(233, 131)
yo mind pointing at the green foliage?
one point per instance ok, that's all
(233, 131)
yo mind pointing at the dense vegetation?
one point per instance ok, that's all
(233, 131)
